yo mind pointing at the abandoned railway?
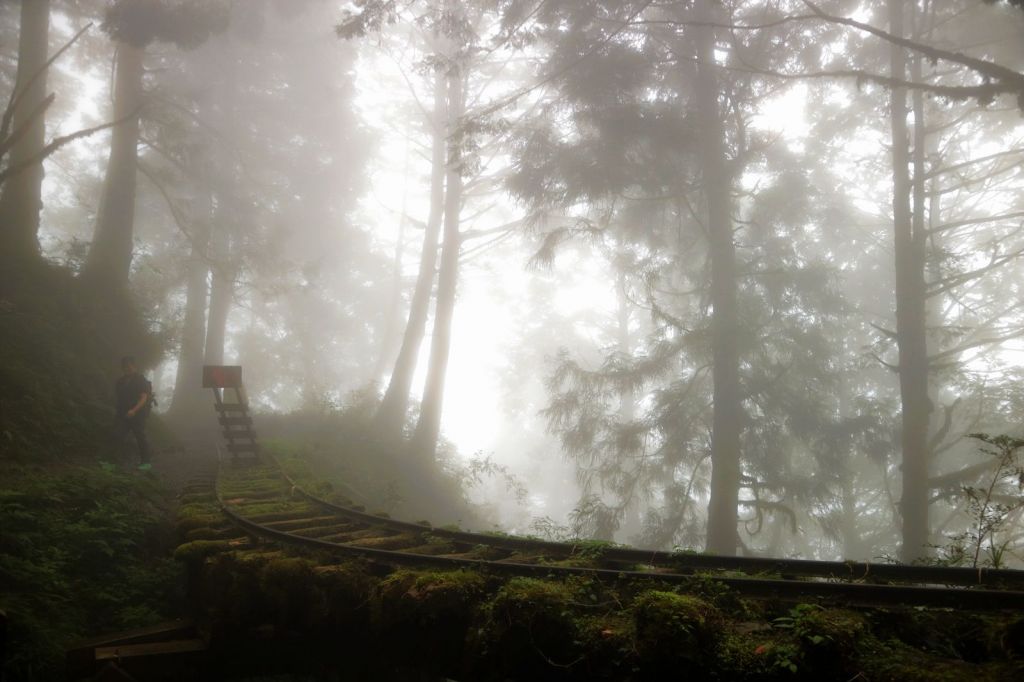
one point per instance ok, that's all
(303, 520)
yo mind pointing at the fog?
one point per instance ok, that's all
(736, 277)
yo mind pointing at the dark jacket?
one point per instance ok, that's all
(128, 389)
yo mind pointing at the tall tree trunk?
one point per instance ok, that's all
(728, 418)
(21, 199)
(390, 417)
(428, 428)
(627, 402)
(911, 335)
(221, 296)
(393, 320)
(187, 386)
(110, 256)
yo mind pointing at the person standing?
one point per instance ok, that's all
(134, 396)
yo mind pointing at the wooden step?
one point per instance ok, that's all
(324, 531)
(342, 538)
(174, 647)
(232, 407)
(235, 448)
(179, 659)
(393, 542)
(308, 522)
(81, 657)
(235, 421)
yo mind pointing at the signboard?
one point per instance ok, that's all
(222, 376)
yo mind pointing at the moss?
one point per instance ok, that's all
(836, 630)
(967, 636)
(752, 654)
(204, 533)
(894, 661)
(609, 640)
(430, 613)
(190, 523)
(591, 549)
(1010, 638)
(347, 588)
(291, 588)
(264, 512)
(674, 631)
(194, 498)
(392, 542)
(529, 629)
(198, 550)
(425, 595)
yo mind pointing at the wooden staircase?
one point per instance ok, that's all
(233, 416)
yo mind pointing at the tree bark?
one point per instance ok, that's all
(110, 257)
(428, 428)
(727, 419)
(221, 295)
(188, 384)
(393, 321)
(21, 199)
(911, 338)
(390, 417)
(627, 401)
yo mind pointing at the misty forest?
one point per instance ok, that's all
(734, 285)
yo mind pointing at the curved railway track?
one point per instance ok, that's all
(266, 505)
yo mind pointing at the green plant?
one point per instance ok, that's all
(991, 507)
(798, 621)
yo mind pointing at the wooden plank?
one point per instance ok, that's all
(231, 407)
(175, 647)
(173, 628)
(236, 421)
(243, 447)
(81, 656)
(239, 435)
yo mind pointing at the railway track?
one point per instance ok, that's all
(265, 505)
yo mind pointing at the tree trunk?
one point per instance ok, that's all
(188, 385)
(21, 199)
(390, 417)
(627, 401)
(393, 320)
(221, 295)
(727, 419)
(428, 428)
(110, 256)
(911, 336)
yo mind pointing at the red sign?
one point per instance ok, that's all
(222, 376)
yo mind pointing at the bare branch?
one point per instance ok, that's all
(59, 142)
(990, 70)
(16, 94)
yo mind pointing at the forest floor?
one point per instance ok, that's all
(314, 615)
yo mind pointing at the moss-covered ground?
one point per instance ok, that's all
(319, 616)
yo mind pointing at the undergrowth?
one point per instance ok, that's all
(82, 551)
